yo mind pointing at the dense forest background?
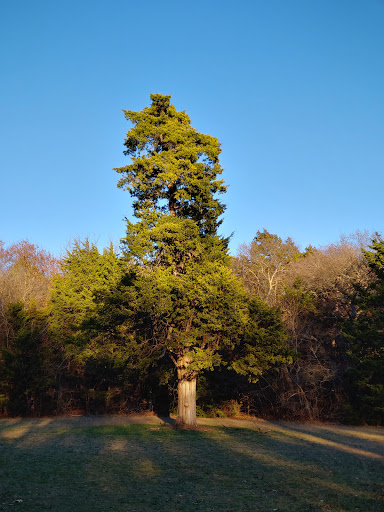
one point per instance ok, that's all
(72, 334)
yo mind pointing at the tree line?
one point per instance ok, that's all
(171, 321)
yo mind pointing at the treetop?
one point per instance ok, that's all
(174, 169)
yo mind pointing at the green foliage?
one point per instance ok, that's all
(174, 168)
(84, 274)
(365, 335)
(26, 372)
(189, 298)
(264, 345)
(193, 313)
(91, 306)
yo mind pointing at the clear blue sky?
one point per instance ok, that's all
(293, 89)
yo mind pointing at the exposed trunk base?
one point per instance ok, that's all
(186, 390)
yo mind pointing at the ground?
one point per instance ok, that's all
(137, 464)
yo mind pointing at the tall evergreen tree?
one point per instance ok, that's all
(187, 292)
(192, 303)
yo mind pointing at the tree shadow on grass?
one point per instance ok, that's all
(310, 471)
(64, 466)
(364, 441)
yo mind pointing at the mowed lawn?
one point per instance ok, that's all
(141, 464)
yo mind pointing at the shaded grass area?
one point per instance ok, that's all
(74, 465)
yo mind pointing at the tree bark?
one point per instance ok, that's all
(186, 390)
(172, 203)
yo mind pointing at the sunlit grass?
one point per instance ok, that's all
(81, 465)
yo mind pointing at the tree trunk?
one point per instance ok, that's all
(186, 390)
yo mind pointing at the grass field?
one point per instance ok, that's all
(124, 465)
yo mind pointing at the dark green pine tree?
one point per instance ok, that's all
(173, 172)
(365, 335)
(191, 303)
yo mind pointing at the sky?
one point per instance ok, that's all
(293, 89)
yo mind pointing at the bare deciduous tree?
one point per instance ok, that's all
(25, 274)
(314, 291)
(263, 264)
